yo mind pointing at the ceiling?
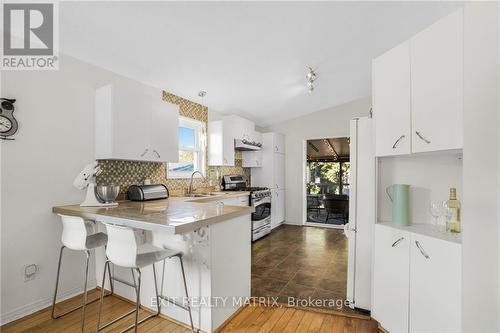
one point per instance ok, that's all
(328, 149)
(251, 57)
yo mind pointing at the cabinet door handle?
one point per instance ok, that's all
(422, 250)
(157, 154)
(277, 186)
(397, 242)
(422, 137)
(395, 145)
(276, 148)
(145, 152)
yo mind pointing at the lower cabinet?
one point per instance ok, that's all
(237, 201)
(277, 207)
(435, 285)
(416, 282)
(391, 276)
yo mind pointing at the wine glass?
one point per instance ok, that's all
(437, 208)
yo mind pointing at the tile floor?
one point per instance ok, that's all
(303, 263)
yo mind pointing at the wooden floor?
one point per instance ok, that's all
(42, 322)
(250, 319)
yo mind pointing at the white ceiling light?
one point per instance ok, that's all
(311, 77)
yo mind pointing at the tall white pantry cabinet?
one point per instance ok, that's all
(272, 174)
(417, 108)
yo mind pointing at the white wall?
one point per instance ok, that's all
(55, 110)
(481, 222)
(329, 123)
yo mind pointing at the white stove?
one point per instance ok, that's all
(260, 199)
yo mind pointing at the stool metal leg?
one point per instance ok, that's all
(173, 301)
(106, 265)
(186, 291)
(137, 287)
(57, 284)
(138, 300)
(84, 303)
(85, 291)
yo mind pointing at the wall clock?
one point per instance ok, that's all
(8, 124)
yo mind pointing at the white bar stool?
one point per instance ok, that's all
(123, 250)
(79, 235)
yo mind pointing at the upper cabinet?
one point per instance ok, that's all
(391, 101)
(135, 125)
(278, 143)
(220, 143)
(253, 159)
(240, 127)
(417, 91)
(272, 172)
(436, 80)
(221, 136)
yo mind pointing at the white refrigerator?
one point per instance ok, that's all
(359, 229)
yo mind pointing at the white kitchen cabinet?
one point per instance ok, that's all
(437, 85)
(240, 127)
(221, 136)
(277, 207)
(416, 280)
(220, 144)
(272, 172)
(391, 101)
(164, 138)
(278, 143)
(279, 170)
(391, 278)
(251, 159)
(435, 285)
(237, 201)
(135, 125)
(418, 91)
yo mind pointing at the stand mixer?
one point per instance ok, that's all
(86, 179)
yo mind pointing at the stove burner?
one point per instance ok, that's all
(248, 189)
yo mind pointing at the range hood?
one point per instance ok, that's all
(245, 145)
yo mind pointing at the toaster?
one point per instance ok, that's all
(147, 192)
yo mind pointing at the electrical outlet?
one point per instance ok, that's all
(30, 272)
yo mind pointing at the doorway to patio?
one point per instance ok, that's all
(327, 182)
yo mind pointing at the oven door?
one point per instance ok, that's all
(262, 209)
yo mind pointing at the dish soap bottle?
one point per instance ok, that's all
(453, 215)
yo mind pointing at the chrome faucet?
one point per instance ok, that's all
(190, 190)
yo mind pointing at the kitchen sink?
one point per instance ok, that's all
(202, 195)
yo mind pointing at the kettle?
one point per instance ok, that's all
(399, 194)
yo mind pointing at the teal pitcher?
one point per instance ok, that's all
(399, 194)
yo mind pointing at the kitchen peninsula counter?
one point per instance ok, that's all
(213, 233)
(175, 215)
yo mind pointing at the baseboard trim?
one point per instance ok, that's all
(41, 304)
(228, 320)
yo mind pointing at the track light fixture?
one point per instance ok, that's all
(311, 77)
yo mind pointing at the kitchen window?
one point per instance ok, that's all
(192, 143)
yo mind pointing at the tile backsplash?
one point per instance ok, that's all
(126, 173)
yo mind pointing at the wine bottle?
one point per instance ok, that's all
(453, 223)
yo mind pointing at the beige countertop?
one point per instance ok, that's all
(176, 215)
